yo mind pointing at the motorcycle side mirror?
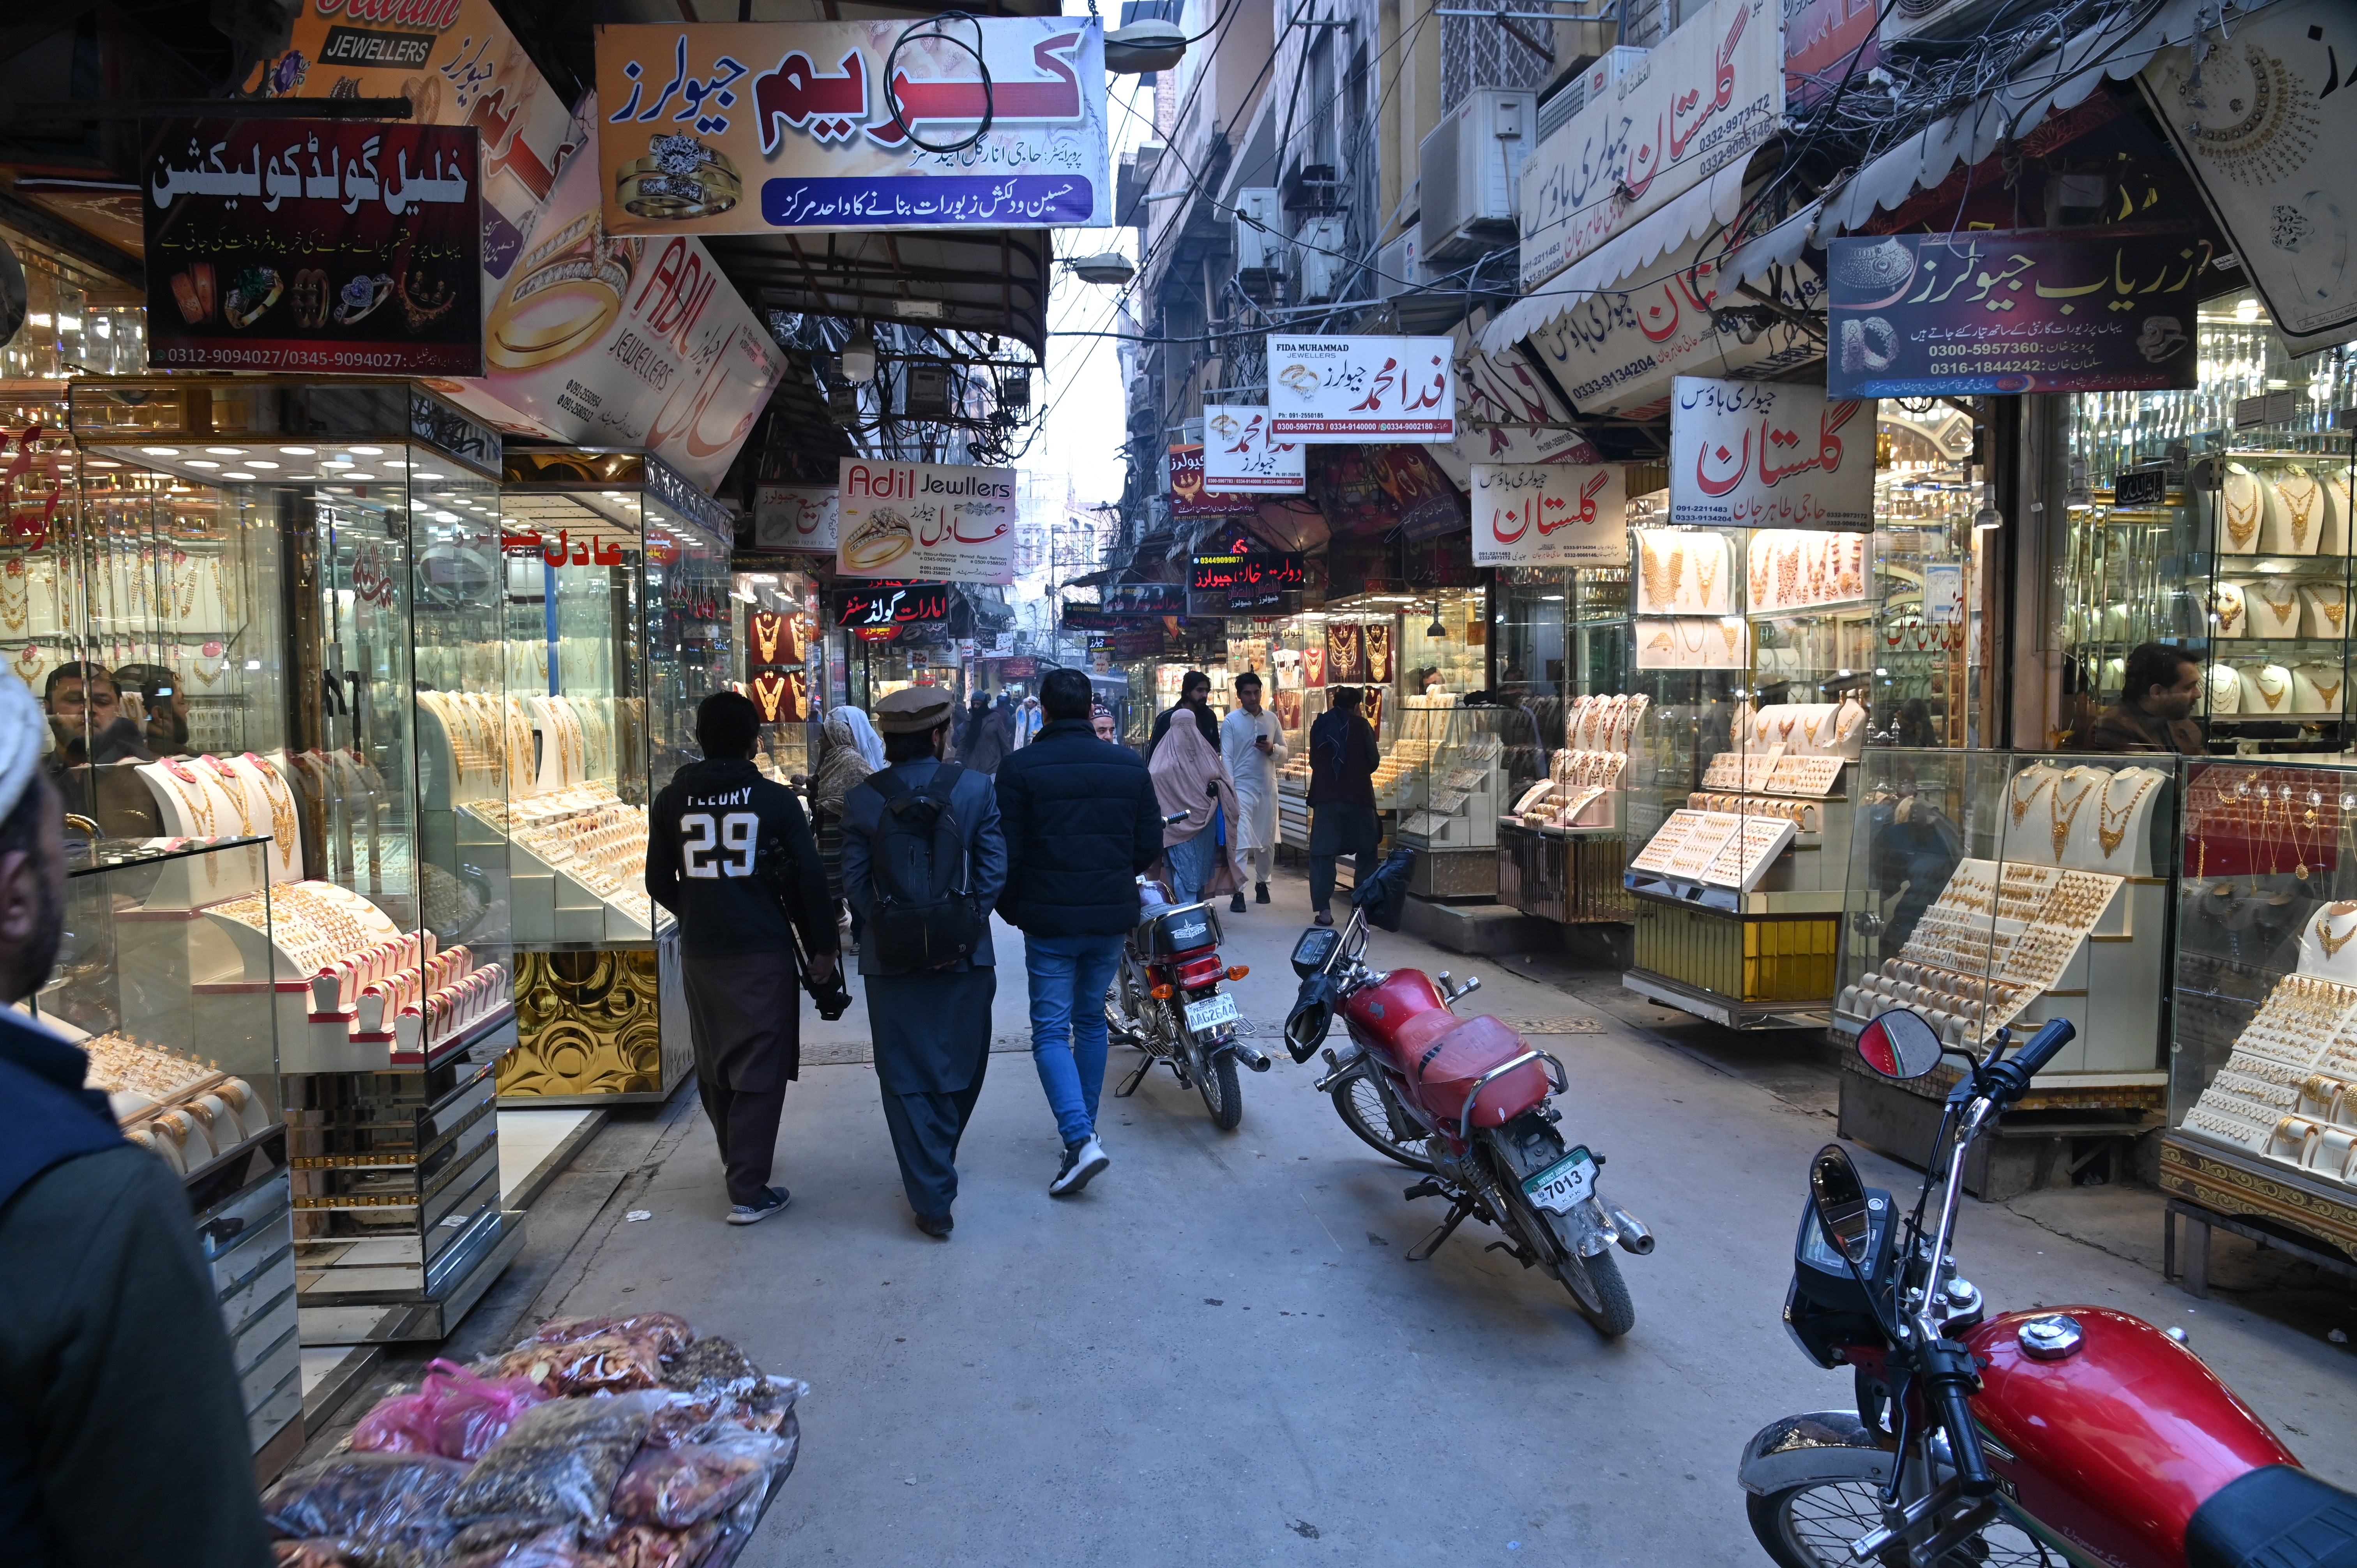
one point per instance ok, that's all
(1900, 1044)
(1839, 1199)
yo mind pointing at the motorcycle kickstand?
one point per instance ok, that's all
(1423, 1250)
(1129, 1085)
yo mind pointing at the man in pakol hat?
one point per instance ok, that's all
(923, 863)
(123, 1435)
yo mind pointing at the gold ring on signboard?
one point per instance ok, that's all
(680, 177)
(512, 350)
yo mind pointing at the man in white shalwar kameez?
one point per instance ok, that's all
(1252, 743)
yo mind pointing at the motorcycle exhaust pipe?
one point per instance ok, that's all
(1634, 1237)
(1249, 1057)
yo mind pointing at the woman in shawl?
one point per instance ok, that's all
(843, 763)
(1028, 719)
(1189, 777)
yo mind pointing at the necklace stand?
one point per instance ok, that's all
(2325, 950)
(2225, 684)
(2295, 516)
(2028, 835)
(2115, 833)
(2266, 691)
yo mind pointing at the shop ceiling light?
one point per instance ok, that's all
(299, 451)
(369, 451)
(258, 463)
(161, 451)
(858, 357)
(236, 476)
(226, 451)
(200, 463)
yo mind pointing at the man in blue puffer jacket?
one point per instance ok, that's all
(1080, 822)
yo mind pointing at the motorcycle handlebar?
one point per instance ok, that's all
(2009, 1080)
(1951, 1378)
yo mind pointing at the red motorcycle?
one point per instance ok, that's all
(1463, 1100)
(2067, 1436)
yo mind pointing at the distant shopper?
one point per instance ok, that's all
(1189, 777)
(923, 862)
(1252, 743)
(1030, 719)
(991, 735)
(2162, 684)
(1081, 821)
(1106, 727)
(720, 839)
(1343, 759)
(122, 1432)
(842, 762)
(1195, 699)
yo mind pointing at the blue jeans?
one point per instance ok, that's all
(1069, 978)
(1191, 862)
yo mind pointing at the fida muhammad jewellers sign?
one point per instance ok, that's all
(740, 128)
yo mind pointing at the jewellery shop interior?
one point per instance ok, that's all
(356, 712)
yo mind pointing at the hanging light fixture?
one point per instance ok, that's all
(858, 357)
(1436, 629)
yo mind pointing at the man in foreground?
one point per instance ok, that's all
(1342, 760)
(723, 842)
(122, 1432)
(923, 863)
(1081, 822)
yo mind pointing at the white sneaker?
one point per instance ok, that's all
(1081, 1162)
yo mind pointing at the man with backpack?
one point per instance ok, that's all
(923, 863)
(1081, 822)
(729, 854)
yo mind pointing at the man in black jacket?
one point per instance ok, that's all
(1342, 760)
(1194, 697)
(713, 839)
(1081, 822)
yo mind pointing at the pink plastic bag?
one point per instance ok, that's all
(454, 1414)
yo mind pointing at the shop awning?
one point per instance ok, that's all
(2058, 79)
(985, 280)
(1711, 204)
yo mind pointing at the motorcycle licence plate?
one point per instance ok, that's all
(1210, 1012)
(1562, 1185)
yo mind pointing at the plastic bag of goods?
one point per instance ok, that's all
(454, 1414)
(603, 1363)
(665, 1331)
(379, 1499)
(651, 1546)
(675, 1487)
(558, 1462)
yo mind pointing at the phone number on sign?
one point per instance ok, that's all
(307, 359)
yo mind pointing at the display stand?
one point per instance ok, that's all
(143, 1017)
(1999, 891)
(600, 1012)
(1738, 893)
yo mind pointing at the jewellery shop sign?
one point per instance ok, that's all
(1769, 455)
(2106, 308)
(740, 128)
(312, 245)
(1550, 514)
(933, 521)
(1333, 390)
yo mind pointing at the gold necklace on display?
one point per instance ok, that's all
(1760, 556)
(2334, 608)
(2332, 944)
(2300, 508)
(2329, 695)
(2111, 827)
(282, 807)
(2280, 611)
(2230, 608)
(2241, 525)
(17, 613)
(2021, 804)
(201, 811)
(2259, 680)
(2062, 820)
(1705, 580)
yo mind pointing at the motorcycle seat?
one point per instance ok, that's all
(2278, 1516)
(1445, 1063)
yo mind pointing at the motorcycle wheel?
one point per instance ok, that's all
(1594, 1284)
(1359, 1102)
(1217, 1080)
(1813, 1526)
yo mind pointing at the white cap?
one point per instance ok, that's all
(21, 730)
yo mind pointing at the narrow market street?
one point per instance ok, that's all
(1218, 1353)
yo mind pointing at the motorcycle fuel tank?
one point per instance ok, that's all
(1379, 1013)
(2112, 1441)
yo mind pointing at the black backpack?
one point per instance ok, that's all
(925, 915)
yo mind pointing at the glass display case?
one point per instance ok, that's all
(780, 661)
(150, 981)
(2262, 1112)
(1562, 659)
(1924, 642)
(619, 616)
(2217, 519)
(311, 567)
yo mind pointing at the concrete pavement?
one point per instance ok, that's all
(1218, 1354)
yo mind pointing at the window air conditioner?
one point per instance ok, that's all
(1319, 265)
(1259, 225)
(1587, 88)
(1470, 173)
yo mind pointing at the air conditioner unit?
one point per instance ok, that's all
(1397, 271)
(1259, 225)
(1589, 87)
(1936, 21)
(1469, 172)
(1319, 266)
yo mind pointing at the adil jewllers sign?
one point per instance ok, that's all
(1769, 455)
(312, 245)
(933, 521)
(2104, 308)
(740, 128)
